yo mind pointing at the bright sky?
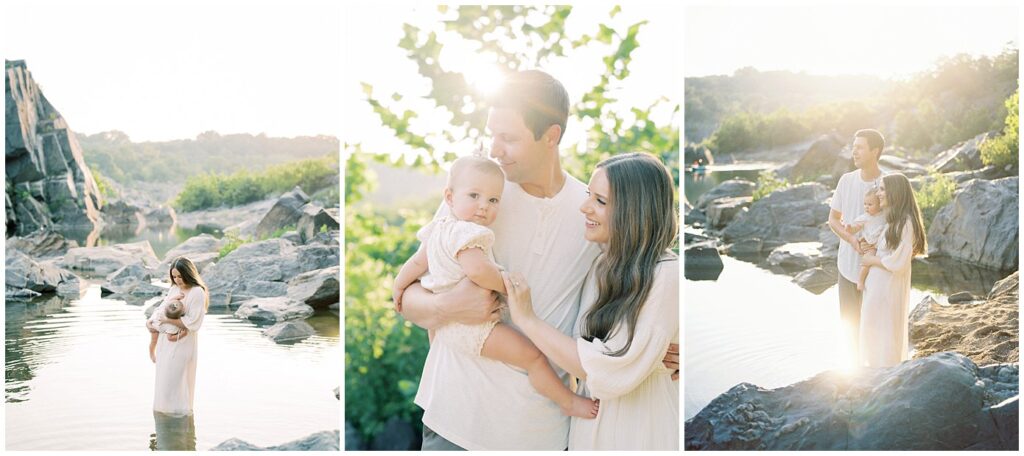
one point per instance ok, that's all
(885, 41)
(373, 32)
(171, 70)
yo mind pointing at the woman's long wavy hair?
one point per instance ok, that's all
(902, 206)
(642, 229)
(189, 275)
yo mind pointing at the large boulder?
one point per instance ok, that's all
(273, 310)
(789, 215)
(107, 259)
(986, 331)
(319, 288)
(262, 269)
(732, 188)
(826, 156)
(201, 250)
(701, 257)
(815, 280)
(941, 402)
(161, 216)
(122, 213)
(965, 156)
(286, 212)
(41, 244)
(289, 332)
(723, 210)
(47, 181)
(980, 225)
(126, 279)
(23, 272)
(892, 164)
(796, 255)
(320, 441)
(315, 219)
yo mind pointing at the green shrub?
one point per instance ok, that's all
(215, 190)
(1004, 150)
(768, 183)
(233, 242)
(935, 193)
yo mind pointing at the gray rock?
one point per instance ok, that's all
(72, 287)
(320, 441)
(962, 296)
(796, 255)
(161, 216)
(124, 280)
(41, 244)
(980, 225)
(292, 236)
(48, 182)
(965, 156)
(201, 244)
(891, 164)
(318, 288)
(815, 280)
(107, 259)
(122, 213)
(702, 260)
(825, 156)
(749, 246)
(353, 440)
(732, 188)
(285, 212)
(21, 271)
(695, 217)
(289, 332)
(314, 219)
(934, 403)
(398, 435)
(789, 215)
(722, 210)
(273, 310)
(921, 312)
(20, 294)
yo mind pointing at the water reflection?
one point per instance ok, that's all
(698, 183)
(173, 433)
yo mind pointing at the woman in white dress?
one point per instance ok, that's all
(885, 305)
(629, 311)
(176, 355)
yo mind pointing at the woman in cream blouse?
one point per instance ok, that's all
(629, 312)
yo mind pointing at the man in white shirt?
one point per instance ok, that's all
(847, 204)
(475, 403)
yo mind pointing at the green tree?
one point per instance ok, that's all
(1005, 150)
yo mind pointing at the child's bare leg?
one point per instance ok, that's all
(152, 345)
(863, 276)
(509, 346)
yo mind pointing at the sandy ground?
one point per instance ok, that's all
(986, 331)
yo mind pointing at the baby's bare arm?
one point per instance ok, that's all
(481, 270)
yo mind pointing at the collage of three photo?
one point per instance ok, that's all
(394, 227)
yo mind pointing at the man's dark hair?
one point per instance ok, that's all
(538, 97)
(874, 138)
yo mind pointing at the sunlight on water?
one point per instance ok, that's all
(754, 326)
(78, 376)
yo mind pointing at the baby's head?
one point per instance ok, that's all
(174, 310)
(474, 189)
(871, 204)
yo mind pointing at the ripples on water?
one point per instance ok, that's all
(78, 376)
(755, 326)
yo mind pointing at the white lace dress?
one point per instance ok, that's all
(445, 237)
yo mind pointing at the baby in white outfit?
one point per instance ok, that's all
(173, 310)
(869, 227)
(459, 245)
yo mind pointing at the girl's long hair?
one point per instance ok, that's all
(902, 206)
(189, 275)
(642, 229)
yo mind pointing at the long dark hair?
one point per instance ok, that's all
(189, 275)
(901, 205)
(642, 228)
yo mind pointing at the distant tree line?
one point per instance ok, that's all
(241, 187)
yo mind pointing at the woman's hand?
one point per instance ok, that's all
(177, 337)
(520, 304)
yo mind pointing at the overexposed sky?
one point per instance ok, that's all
(161, 70)
(871, 39)
(373, 33)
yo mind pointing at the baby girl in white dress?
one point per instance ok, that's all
(459, 245)
(868, 226)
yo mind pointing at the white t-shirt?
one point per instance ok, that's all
(482, 404)
(849, 200)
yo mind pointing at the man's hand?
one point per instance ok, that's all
(468, 304)
(863, 246)
(671, 360)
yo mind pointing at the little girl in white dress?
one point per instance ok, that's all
(459, 245)
(869, 226)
